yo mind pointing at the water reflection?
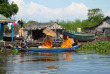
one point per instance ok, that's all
(51, 67)
(67, 56)
(65, 62)
(42, 62)
(41, 57)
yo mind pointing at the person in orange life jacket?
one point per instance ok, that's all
(47, 44)
(67, 43)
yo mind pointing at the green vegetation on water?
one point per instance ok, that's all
(102, 47)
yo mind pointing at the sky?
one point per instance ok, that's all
(68, 10)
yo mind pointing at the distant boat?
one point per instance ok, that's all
(79, 35)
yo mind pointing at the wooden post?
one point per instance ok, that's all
(55, 37)
(12, 31)
(0, 28)
(1, 32)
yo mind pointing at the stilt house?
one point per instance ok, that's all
(34, 31)
(102, 28)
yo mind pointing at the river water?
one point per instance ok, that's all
(54, 63)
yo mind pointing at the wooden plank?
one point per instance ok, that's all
(31, 44)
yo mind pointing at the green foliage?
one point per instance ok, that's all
(6, 29)
(73, 25)
(7, 9)
(95, 15)
(99, 47)
(1, 50)
(14, 8)
(2, 1)
(15, 51)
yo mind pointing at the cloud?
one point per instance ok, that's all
(107, 13)
(37, 12)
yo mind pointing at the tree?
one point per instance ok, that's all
(7, 9)
(95, 15)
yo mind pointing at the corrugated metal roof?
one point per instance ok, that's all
(4, 19)
(49, 25)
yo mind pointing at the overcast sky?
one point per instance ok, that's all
(46, 10)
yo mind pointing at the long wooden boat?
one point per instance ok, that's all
(79, 35)
(49, 49)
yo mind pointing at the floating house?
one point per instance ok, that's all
(3, 21)
(34, 30)
(102, 28)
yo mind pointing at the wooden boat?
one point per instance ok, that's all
(49, 49)
(79, 35)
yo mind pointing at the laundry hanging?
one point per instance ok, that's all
(9, 25)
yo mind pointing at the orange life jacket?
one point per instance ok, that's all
(67, 43)
(48, 43)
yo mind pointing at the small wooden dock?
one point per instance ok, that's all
(30, 44)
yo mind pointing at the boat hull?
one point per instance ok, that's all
(79, 38)
(47, 49)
